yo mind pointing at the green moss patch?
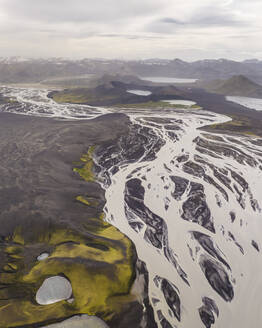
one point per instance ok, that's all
(86, 169)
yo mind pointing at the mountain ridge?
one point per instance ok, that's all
(20, 70)
(237, 85)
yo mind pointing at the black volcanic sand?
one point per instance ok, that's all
(40, 213)
(37, 157)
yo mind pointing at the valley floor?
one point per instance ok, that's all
(188, 199)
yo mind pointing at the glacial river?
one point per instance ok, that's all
(191, 203)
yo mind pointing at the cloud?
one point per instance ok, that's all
(131, 29)
(169, 20)
(79, 11)
(218, 17)
(204, 17)
(130, 36)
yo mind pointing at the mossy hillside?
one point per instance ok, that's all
(99, 267)
(89, 96)
(65, 97)
(97, 259)
(112, 92)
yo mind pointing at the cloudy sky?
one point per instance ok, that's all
(131, 29)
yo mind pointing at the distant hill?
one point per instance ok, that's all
(237, 85)
(40, 70)
(127, 79)
(115, 92)
(103, 95)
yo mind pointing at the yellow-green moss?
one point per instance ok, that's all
(86, 171)
(62, 97)
(10, 267)
(99, 267)
(81, 96)
(18, 237)
(196, 107)
(83, 200)
(89, 201)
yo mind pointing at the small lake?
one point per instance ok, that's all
(53, 290)
(43, 256)
(140, 92)
(253, 103)
(180, 102)
(168, 80)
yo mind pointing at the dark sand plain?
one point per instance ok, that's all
(37, 182)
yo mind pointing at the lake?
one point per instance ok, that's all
(140, 92)
(168, 80)
(253, 103)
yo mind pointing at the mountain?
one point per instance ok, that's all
(208, 69)
(127, 79)
(13, 70)
(237, 85)
(109, 93)
(22, 70)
